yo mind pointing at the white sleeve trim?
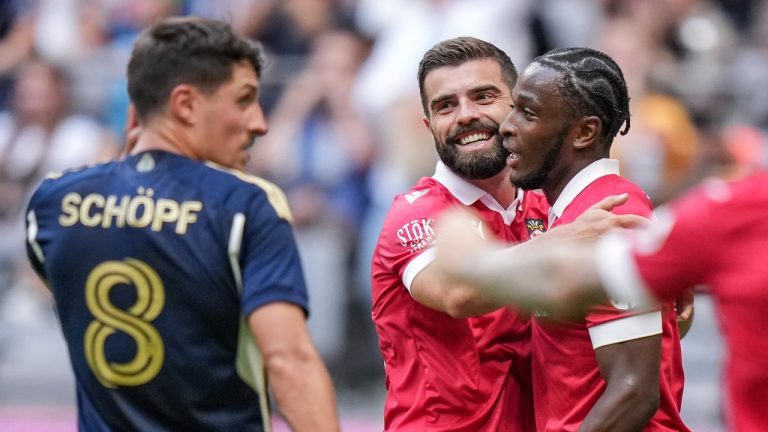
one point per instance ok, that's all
(32, 230)
(417, 265)
(625, 329)
(233, 249)
(618, 272)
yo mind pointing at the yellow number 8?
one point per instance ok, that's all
(135, 322)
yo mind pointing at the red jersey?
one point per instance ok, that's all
(713, 236)
(442, 373)
(566, 378)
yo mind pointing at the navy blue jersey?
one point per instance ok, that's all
(155, 262)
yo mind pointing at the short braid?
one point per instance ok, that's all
(592, 84)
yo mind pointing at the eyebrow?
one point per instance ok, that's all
(530, 100)
(474, 90)
(249, 87)
(486, 87)
(436, 101)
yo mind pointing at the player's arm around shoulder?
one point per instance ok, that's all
(433, 289)
(415, 228)
(406, 249)
(296, 373)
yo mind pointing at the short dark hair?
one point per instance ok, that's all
(460, 50)
(592, 84)
(197, 51)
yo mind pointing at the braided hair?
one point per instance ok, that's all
(592, 84)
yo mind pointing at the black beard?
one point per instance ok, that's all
(475, 165)
(538, 177)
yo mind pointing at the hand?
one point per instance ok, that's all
(598, 220)
(684, 309)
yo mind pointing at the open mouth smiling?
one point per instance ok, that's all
(474, 137)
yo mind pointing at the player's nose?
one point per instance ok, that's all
(508, 128)
(257, 122)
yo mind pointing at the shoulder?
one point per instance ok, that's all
(58, 182)
(250, 184)
(61, 179)
(716, 191)
(638, 203)
(428, 198)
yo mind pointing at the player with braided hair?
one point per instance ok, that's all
(615, 367)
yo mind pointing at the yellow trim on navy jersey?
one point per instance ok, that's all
(250, 367)
(275, 195)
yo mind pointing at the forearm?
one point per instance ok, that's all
(631, 396)
(627, 408)
(303, 390)
(538, 275)
(295, 372)
(546, 273)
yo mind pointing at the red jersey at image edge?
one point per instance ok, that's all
(717, 236)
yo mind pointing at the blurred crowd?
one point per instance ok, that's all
(344, 113)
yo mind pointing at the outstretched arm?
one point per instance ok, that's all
(454, 283)
(555, 271)
(295, 372)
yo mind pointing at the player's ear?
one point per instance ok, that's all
(182, 103)
(588, 132)
(425, 120)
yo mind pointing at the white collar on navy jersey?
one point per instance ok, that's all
(579, 182)
(469, 194)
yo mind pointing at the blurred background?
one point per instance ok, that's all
(346, 135)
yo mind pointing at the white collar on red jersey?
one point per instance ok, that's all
(469, 194)
(579, 182)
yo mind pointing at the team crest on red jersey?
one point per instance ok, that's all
(535, 227)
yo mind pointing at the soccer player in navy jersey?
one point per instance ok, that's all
(176, 280)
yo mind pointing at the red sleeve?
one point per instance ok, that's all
(675, 252)
(409, 230)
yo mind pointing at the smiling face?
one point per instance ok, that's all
(466, 105)
(538, 130)
(230, 118)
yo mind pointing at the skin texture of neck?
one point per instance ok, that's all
(499, 187)
(162, 134)
(561, 176)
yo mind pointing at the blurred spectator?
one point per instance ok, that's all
(288, 30)
(126, 19)
(319, 150)
(39, 135)
(17, 27)
(746, 147)
(662, 145)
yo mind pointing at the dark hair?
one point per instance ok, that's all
(192, 50)
(592, 84)
(460, 50)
